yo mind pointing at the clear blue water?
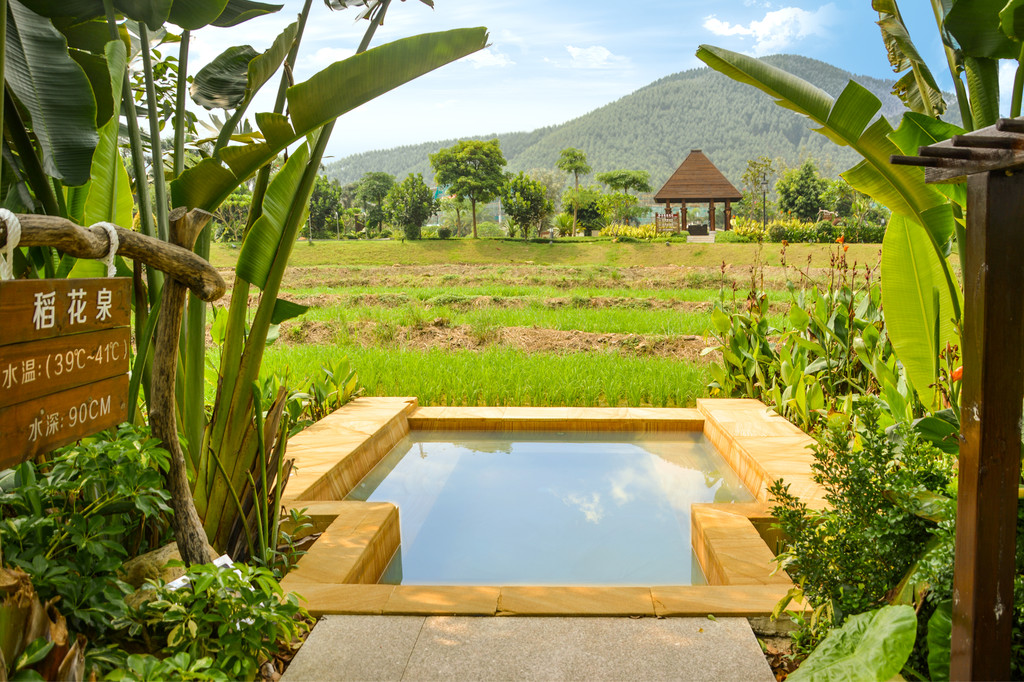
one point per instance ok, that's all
(524, 508)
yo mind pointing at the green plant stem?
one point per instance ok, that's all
(156, 147)
(1018, 85)
(263, 177)
(153, 276)
(179, 113)
(192, 409)
(966, 117)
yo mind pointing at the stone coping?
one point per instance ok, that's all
(339, 573)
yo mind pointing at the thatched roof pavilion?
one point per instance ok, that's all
(698, 181)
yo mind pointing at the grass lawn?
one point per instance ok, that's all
(490, 322)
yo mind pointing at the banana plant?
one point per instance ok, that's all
(230, 445)
(922, 226)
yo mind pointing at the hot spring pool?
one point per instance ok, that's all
(542, 508)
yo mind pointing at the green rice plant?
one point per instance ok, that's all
(501, 376)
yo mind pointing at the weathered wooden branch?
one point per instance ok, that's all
(92, 242)
(188, 529)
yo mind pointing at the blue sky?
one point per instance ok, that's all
(554, 60)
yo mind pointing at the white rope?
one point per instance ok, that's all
(108, 260)
(13, 238)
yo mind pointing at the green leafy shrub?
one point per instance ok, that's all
(825, 232)
(733, 237)
(444, 233)
(635, 232)
(834, 347)
(72, 527)
(853, 553)
(233, 616)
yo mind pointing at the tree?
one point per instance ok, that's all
(524, 201)
(800, 191)
(472, 169)
(758, 183)
(586, 203)
(573, 161)
(372, 189)
(453, 208)
(619, 207)
(554, 183)
(324, 204)
(408, 204)
(626, 180)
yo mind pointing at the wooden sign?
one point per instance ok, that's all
(34, 309)
(37, 426)
(64, 359)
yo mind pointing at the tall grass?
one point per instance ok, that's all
(507, 377)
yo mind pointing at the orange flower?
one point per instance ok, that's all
(840, 239)
(846, 247)
(957, 373)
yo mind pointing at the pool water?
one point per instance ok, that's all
(525, 508)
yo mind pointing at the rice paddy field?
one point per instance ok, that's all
(490, 322)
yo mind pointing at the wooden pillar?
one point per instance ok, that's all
(711, 216)
(993, 384)
(728, 215)
(683, 222)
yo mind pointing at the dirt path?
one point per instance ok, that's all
(439, 335)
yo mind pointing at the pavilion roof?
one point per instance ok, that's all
(697, 180)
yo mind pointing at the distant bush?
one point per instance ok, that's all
(412, 231)
(863, 233)
(443, 233)
(489, 228)
(733, 237)
(633, 232)
(825, 232)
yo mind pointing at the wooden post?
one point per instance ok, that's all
(728, 215)
(993, 384)
(711, 216)
(188, 529)
(683, 222)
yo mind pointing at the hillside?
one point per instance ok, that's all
(654, 128)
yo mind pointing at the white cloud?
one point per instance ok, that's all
(596, 57)
(489, 57)
(590, 505)
(779, 29)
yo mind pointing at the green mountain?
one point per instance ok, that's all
(655, 127)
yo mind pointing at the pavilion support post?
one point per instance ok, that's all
(683, 222)
(990, 449)
(711, 216)
(728, 215)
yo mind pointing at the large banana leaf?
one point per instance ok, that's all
(845, 121)
(264, 239)
(922, 218)
(919, 313)
(337, 89)
(56, 92)
(193, 14)
(975, 25)
(232, 79)
(917, 88)
(237, 11)
(110, 190)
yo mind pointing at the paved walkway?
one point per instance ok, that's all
(520, 648)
